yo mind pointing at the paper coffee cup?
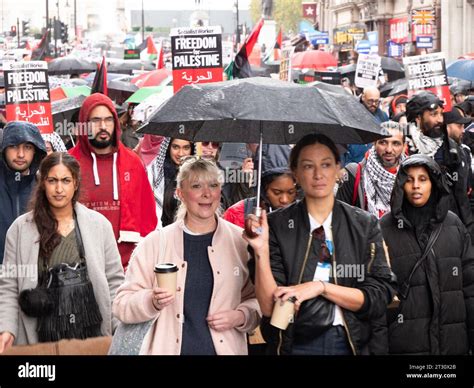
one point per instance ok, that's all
(166, 276)
(283, 313)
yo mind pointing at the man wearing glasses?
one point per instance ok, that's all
(370, 98)
(114, 180)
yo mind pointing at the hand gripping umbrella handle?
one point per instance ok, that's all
(257, 211)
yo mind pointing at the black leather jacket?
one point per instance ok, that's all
(358, 245)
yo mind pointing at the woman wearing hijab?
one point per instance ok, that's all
(432, 257)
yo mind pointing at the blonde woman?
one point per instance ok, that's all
(215, 302)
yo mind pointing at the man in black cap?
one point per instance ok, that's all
(455, 121)
(427, 135)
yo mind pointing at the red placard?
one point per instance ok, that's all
(399, 30)
(27, 95)
(183, 77)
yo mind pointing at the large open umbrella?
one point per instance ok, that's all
(153, 78)
(70, 65)
(262, 110)
(119, 90)
(240, 110)
(64, 109)
(395, 87)
(143, 93)
(127, 67)
(69, 91)
(313, 59)
(461, 68)
(391, 66)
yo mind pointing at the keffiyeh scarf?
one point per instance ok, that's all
(378, 185)
(420, 143)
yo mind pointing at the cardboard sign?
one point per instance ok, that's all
(428, 72)
(196, 55)
(27, 93)
(367, 70)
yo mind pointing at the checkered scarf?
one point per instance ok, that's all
(420, 143)
(55, 140)
(378, 185)
(158, 174)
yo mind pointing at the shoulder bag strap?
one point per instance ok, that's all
(405, 287)
(80, 245)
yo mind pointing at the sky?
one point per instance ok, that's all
(185, 4)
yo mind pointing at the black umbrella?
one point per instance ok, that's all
(239, 110)
(391, 64)
(120, 90)
(64, 109)
(127, 67)
(263, 110)
(71, 65)
(328, 87)
(395, 87)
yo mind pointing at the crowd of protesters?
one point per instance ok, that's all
(397, 214)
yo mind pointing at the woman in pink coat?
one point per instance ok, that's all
(214, 305)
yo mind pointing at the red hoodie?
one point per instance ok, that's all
(125, 185)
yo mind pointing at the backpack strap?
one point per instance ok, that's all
(356, 171)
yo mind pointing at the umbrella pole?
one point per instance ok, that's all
(72, 139)
(258, 209)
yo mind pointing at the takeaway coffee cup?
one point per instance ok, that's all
(283, 313)
(166, 276)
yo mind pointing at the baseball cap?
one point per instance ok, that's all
(456, 117)
(421, 102)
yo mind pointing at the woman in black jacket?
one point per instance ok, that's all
(329, 256)
(436, 313)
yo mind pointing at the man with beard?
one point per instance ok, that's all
(368, 184)
(114, 180)
(427, 135)
(22, 150)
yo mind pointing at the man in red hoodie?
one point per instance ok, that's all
(114, 181)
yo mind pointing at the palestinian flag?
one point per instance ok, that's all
(274, 55)
(151, 51)
(240, 66)
(100, 80)
(41, 51)
(160, 61)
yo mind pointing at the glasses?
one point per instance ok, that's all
(372, 102)
(324, 253)
(211, 143)
(97, 120)
(195, 158)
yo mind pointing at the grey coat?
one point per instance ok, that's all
(22, 247)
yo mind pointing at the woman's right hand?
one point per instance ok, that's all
(161, 298)
(6, 341)
(259, 226)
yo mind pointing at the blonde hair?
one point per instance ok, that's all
(196, 168)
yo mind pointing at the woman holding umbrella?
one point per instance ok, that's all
(328, 256)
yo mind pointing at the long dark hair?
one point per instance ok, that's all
(42, 214)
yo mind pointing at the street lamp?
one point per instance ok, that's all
(237, 29)
(143, 23)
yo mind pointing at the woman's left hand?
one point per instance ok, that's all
(301, 292)
(226, 320)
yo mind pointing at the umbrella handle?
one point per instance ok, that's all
(257, 211)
